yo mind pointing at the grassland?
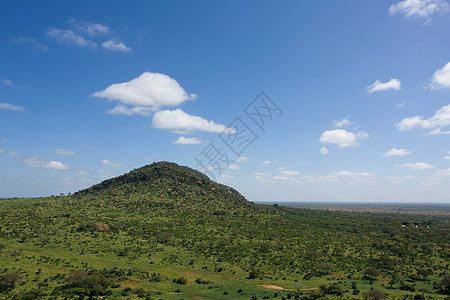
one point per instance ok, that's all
(168, 232)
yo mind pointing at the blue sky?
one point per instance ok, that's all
(356, 104)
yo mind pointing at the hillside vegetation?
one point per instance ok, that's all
(165, 231)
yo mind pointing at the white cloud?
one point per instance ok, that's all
(89, 28)
(64, 152)
(234, 167)
(342, 175)
(342, 138)
(41, 163)
(83, 173)
(2, 151)
(125, 110)
(419, 8)
(114, 45)
(407, 177)
(180, 122)
(188, 141)
(342, 123)
(153, 90)
(397, 152)
(7, 82)
(108, 163)
(324, 150)
(440, 119)
(443, 173)
(415, 166)
(262, 177)
(33, 42)
(260, 174)
(241, 159)
(447, 156)
(441, 78)
(70, 37)
(7, 106)
(393, 84)
(402, 104)
(266, 162)
(287, 172)
(438, 131)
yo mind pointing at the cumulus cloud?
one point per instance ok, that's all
(108, 163)
(69, 37)
(7, 106)
(393, 84)
(441, 78)
(419, 8)
(342, 123)
(152, 90)
(266, 162)
(180, 122)
(342, 138)
(324, 150)
(61, 151)
(188, 141)
(396, 152)
(439, 120)
(39, 162)
(114, 45)
(415, 166)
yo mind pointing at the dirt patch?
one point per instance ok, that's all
(271, 286)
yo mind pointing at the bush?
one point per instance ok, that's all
(180, 280)
(374, 294)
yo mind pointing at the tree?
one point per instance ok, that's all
(424, 273)
(8, 281)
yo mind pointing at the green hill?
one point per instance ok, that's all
(165, 231)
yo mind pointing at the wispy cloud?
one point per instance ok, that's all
(69, 37)
(7, 106)
(61, 151)
(393, 84)
(89, 28)
(34, 43)
(342, 175)
(415, 166)
(342, 123)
